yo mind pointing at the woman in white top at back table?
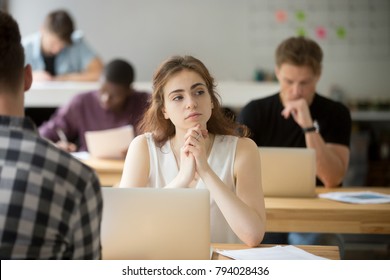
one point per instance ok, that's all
(189, 143)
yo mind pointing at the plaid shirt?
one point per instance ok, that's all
(50, 203)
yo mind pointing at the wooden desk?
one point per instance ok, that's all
(329, 252)
(109, 171)
(297, 214)
(323, 215)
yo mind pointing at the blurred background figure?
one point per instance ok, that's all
(59, 52)
(115, 104)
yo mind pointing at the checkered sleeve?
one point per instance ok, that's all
(50, 203)
(86, 225)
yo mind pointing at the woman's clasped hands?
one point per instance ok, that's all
(193, 154)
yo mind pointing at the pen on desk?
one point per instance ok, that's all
(62, 136)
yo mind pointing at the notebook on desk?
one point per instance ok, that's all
(288, 172)
(155, 224)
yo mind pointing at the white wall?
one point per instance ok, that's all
(231, 37)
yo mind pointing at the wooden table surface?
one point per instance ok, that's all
(324, 215)
(297, 214)
(109, 171)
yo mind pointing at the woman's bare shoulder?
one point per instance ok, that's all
(141, 139)
(246, 143)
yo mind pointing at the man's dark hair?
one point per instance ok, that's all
(11, 53)
(119, 72)
(61, 24)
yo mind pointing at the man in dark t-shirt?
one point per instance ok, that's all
(269, 128)
(299, 117)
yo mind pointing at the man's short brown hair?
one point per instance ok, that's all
(300, 51)
(61, 24)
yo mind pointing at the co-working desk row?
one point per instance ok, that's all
(55, 94)
(297, 214)
(234, 94)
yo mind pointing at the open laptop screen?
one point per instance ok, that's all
(288, 172)
(149, 223)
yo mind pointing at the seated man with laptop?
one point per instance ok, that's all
(115, 104)
(299, 117)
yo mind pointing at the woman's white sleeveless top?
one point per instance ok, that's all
(163, 169)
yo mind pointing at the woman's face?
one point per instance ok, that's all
(187, 101)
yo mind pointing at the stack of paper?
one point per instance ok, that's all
(364, 197)
(273, 253)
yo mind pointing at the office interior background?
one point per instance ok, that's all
(237, 39)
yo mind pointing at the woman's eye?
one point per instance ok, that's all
(200, 92)
(176, 98)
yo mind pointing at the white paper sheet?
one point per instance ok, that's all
(364, 197)
(110, 143)
(81, 155)
(273, 253)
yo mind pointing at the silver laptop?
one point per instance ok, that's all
(109, 143)
(155, 224)
(288, 172)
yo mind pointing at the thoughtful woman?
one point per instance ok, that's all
(189, 143)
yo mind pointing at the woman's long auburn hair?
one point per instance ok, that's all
(162, 128)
